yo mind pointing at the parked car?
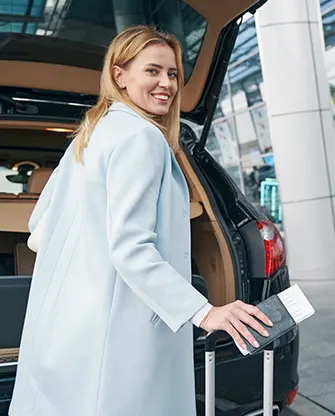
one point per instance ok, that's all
(46, 84)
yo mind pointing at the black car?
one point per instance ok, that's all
(49, 76)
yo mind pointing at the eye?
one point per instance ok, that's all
(173, 75)
(152, 71)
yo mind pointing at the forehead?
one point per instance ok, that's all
(157, 53)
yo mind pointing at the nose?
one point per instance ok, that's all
(164, 80)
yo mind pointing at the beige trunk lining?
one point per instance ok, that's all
(8, 355)
(209, 248)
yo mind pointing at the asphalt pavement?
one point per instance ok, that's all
(316, 395)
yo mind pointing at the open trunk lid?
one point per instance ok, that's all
(60, 47)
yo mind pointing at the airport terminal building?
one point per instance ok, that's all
(274, 126)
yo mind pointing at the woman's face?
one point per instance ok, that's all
(150, 79)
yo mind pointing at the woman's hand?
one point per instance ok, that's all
(232, 317)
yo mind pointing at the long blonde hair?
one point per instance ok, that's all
(121, 51)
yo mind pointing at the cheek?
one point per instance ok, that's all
(149, 85)
(143, 87)
(133, 83)
(174, 88)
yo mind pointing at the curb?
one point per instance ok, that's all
(304, 407)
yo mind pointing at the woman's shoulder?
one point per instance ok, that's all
(128, 125)
(144, 138)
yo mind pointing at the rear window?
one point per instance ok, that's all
(8, 183)
(22, 151)
(96, 22)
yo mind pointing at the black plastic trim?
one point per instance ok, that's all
(205, 108)
(254, 246)
(214, 337)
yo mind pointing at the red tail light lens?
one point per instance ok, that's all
(273, 245)
(291, 396)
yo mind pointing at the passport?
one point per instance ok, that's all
(286, 310)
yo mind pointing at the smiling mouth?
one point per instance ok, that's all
(161, 97)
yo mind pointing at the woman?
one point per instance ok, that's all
(108, 327)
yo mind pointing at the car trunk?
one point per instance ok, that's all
(46, 83)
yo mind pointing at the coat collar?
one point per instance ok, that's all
(120, 106)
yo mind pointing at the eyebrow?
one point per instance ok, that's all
(160, 67)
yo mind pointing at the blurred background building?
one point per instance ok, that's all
(240, 137)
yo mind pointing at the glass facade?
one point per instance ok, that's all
(240, 137)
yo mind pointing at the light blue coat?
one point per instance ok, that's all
(107, 329)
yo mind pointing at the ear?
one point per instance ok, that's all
(118, 75)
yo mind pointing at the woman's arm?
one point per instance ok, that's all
(134, 178)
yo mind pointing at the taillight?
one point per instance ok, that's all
(291, 396)
(273, 246)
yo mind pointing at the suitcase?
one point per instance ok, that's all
(210, 345)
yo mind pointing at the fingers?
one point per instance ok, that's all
(253, 310)
(235, 335)
(234, 319)
(242, 314)
(249, 320)
(242, 329)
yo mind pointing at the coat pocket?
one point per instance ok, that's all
(155, 319)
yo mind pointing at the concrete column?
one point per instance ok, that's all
(298, 102)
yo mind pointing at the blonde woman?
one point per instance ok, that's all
(108, 327)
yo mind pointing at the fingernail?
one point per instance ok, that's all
(256, 344)
(266, 333)
(270, 323)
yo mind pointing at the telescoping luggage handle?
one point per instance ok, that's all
(210, 346)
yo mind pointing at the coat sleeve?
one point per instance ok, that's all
(134, 177)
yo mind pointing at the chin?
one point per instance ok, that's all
(163, 111)
(156, 110)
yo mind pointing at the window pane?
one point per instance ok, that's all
(6, 185)
(222, 145)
